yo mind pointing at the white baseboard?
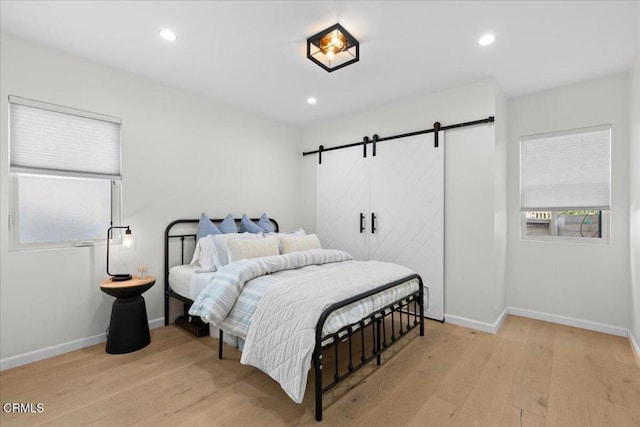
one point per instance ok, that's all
(570, 321)
(491, 328)
(156, 323)
(494, 327)
(56, 350)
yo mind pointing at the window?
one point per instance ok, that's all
(565, 185)
(64, 175)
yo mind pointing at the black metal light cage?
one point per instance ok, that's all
(315, 53)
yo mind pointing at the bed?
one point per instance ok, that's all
(316, 307)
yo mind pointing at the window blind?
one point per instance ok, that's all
(566, 170)
(50, 139)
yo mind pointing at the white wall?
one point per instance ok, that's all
(634, 168)
(181, 155)
(582, 281)
(475, 245)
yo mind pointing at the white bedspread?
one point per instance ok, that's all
(281, 336)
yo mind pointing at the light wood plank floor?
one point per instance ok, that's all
(531, 373)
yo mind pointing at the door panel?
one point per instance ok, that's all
(342, 195)
(407, 197)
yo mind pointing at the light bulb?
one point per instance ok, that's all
(330, 55)
(127, 240)
(335, 40)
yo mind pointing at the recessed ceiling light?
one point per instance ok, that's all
(168, 35)
(311, 100)
(486, 40)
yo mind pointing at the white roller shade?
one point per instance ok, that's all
(46, 138)
(566, 170)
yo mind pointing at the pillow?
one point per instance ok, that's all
(219, 240)
(206, 227)
(299, 232)
(244, 249)
(299, 243)
(205, 255)
(265, 224)
(228, 225)
(247, 225)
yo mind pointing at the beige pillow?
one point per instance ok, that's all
(299, 243)
(244, 249)
(219, 240)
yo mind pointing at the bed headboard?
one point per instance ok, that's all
(179, 245)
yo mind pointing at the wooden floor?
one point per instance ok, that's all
(531, 373)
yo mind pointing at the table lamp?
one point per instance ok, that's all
(126, 242)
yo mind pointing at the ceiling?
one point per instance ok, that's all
(253, 54)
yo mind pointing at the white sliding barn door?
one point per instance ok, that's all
(403, 186)
(407, 198)
(342, 194)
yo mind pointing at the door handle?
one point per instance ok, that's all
(373, 223)
(361, 222)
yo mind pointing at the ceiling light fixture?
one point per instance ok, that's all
(486, 40)
(311, 100)
(333, 48)
(168, 35)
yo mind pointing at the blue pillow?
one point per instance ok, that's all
(206, 227)
(265, 224)
(228, 225)
(247, 225)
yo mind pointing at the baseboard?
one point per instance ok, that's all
(635, 347)
(570, 321)
(56, 350)
(156, 323)
(491, 328)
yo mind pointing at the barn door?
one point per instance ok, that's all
(407, 200)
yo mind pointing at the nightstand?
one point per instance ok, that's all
(128, 327)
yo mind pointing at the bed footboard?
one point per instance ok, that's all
(387, 326)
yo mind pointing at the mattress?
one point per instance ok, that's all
(182, 279)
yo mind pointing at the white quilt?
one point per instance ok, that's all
(281, 336)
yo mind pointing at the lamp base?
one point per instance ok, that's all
(120, 277)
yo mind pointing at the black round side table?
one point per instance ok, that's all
(128, 327)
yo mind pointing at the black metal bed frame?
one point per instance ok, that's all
(383, 325)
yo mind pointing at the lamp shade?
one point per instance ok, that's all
(127, 241)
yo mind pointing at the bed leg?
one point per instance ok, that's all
(317, 363)
(166, 310)
(377, 346)
(220, 344)
(421, 307)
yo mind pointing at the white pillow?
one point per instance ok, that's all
(298, 232)
(221, 256)
(299, 243)
(205, 255)
(244, 249)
